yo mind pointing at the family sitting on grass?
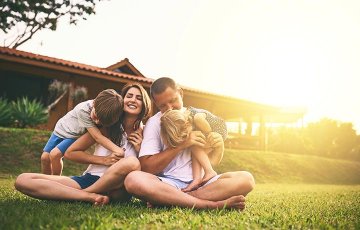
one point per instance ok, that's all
(167, 162)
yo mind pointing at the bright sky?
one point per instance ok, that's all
(283, 53)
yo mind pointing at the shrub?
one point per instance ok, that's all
(28, 113)
(80, 94)
(5, 113)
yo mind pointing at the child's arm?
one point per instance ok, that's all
(104, 141)
(201, 123)
(76, 152)
(217, 144)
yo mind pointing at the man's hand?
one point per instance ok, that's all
(112, 158)
(196, 138)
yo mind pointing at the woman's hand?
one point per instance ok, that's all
(135, 138)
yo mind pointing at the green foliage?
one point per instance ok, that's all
(56, 89)
(33, 16)
(327, 138)
(80, 94)
(5, 113)
(269, 206)
(28, 113)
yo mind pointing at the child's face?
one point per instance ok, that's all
(94, 117)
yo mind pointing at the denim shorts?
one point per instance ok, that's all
(85, 180)
(61, 143)
(179, 184)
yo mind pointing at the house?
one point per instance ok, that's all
(28, 74)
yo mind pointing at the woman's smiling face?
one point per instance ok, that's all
(133, 101)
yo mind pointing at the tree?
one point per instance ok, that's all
(30, 16)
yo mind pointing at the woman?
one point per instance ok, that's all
(107, 171)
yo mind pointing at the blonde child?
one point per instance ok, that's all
(104, 111)
(176, 125)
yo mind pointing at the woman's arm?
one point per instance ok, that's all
(76, 152)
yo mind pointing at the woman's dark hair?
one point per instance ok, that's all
(116, 131)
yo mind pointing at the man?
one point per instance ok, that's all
(165, 171)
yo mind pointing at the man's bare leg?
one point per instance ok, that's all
(115, 175)
(149, 188)
(229, 184)
(50, 187)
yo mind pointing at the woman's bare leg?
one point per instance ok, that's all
(52, 187)
(115, 175)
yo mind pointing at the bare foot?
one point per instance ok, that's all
(192, 186)
(235, 202)
(101, 200)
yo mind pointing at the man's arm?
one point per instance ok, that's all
(156, 163)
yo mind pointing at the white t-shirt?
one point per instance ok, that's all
(180, 166)
(75, 122)
(99, 170)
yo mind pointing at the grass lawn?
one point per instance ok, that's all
(270, 206)
(293, 192)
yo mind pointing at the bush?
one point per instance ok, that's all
(5, 113)
(28, 113)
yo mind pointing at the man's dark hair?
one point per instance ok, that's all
(161, 84)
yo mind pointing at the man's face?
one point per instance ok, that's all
(169, 99)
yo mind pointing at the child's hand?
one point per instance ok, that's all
(215, 140)
(112, 158)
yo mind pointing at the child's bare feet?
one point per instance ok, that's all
(192, 186)
(101, 200)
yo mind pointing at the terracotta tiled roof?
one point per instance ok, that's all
(76, 65)
(127, 63)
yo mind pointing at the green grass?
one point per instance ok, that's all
(20, 151)
(274, 167)
(292, 192)
(270, 206)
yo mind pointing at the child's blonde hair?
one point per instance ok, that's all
(175, 127)
(108, 107)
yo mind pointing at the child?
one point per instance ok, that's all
(105, 110)
(176, 125)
